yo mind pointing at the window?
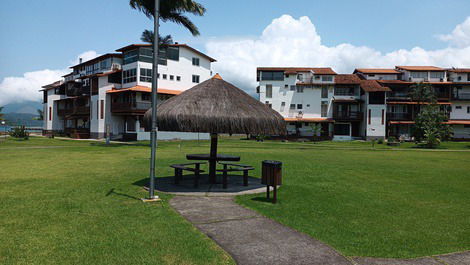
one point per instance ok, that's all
(370, 75)
(130, 56)
(272, 76)
(326, 78)
(97, 109)
(466, 126)
(50, 113)
(129, 76)
(172, 77)
(369, 115)
(292, 106)
(105, 64)
(458, 107)
(102, 109)
(178, 78)
(195, 61)
(324, 108)
(293, 87)
(164, 76)
(439, 75)
(195, 79)
(145, 75)
(377, 98)
(299, 106)
(324, 92)
(419, 74)
(383, 117)
(468, 109)
(308, 105)
(283, 106)
(269, 91)
(342, 129)
(145, 96)
(286, 86)
(173, 53)
(300, 89)
(269, 104)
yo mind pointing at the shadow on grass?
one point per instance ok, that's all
(113, 192)
(262, 199)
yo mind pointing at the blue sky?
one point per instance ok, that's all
(50, 34)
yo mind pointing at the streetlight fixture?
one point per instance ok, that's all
(153, 133)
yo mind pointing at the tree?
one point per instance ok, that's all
(430, 124)
(1, 114)
(316, 129)
(172, 10)
(40, 115)
(147, 36)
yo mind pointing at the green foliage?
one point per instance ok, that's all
(260, 137)
(380, 141)
(1, 114)
(429, 124)
(40, 115)
(147, 36)
(172, 10)
(392, 139)
(316, 130)
(19, 133)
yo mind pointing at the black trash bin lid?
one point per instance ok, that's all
(273, 163)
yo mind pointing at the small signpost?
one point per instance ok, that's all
(271, 176)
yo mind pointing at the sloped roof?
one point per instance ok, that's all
(99, 58)
(459, 70)
(373, 86)
(376, 71)
(347, 79)
(145, 89)
(420, 68)
(216, 106)
(294, 70)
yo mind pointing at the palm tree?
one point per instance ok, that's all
(40, 115)
(172, 10)
(147, 36)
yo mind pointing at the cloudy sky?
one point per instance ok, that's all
(41, 39)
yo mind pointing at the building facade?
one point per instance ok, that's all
(111, 93)
(367, 104)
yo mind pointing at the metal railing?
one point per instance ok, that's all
(138, 106)
(399, 116)
(348, 115)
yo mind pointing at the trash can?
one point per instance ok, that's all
(271, 173)
(271, 176)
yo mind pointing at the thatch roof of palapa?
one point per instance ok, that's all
(216, 106)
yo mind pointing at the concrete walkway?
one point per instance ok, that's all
(253, 239)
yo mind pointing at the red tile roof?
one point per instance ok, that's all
(347, 79)
(458, 122)
(420, 68)
(308, 119)
(102, 57)
(459, 70)
(146, 89)
(376, 71)
(373, 86)
(294, 70)
(134, 46)
(415, 103)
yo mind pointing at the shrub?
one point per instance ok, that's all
(380, 141)
(19, 133)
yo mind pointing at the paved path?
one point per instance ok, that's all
(253, 239)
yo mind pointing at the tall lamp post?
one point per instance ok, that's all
(153, 133)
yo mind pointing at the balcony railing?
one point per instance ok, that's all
(348, 115)
(312, 80)
(398, 95)
(136, 106)
(351, 93)
(399, 116)
(462, 96)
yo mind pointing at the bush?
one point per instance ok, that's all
(19, 133)
(380, 141)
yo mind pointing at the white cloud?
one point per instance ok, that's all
(26, 88)
(460, 36)
(295, 42)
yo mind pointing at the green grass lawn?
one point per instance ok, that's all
(70, 202)
(77, 202)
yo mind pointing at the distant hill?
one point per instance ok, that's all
(28, 107)
(25, 119)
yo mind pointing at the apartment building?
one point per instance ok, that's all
(111, 92)
(367, 104)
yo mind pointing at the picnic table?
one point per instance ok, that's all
(212, 160)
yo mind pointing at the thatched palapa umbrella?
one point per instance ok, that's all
(216, 106)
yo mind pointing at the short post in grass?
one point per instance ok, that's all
(108, 134)
(271, 176)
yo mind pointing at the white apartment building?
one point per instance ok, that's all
(111, 93)
(368, 104)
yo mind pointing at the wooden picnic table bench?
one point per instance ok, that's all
(186, 166)
(234, 168)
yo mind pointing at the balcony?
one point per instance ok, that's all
(138, 107)
(398, 95)
(461, 96)
(399, 116)
(348, 115)
(314, 80)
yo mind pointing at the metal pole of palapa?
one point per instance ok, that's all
(153, 133)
